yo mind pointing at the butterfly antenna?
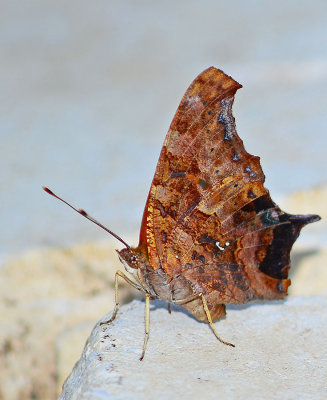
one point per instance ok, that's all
(86, 215)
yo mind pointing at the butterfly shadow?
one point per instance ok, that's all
(255, 303)
(161, 304)
(297, 259)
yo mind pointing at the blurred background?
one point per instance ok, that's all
(88, 90)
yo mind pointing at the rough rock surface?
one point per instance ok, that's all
(280, 353)
(45, 296)
(62, 292)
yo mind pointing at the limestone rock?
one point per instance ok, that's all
(44, 297)
(280, 353)
(309, 255)
(62, 292)
(309, 201)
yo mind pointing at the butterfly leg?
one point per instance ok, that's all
(147, 323)
(130, 282)
(206, 309)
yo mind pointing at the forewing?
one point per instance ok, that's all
(207, 211)
(186, 164)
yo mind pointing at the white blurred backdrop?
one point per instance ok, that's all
(88, 90)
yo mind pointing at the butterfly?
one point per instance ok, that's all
(211, 234)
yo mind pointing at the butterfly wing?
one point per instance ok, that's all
(208, 216)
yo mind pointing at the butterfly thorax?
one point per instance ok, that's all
(156, 282)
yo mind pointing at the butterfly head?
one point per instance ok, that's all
(131, 259)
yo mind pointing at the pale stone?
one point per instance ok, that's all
(309, 272)
(280, 353)
(62, 292)
(309, 201)
(44, 297)
(309, 255)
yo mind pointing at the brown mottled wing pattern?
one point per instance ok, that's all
(208, 216)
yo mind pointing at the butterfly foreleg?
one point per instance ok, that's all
(147, 323)
(206, 309)
(130, 282)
